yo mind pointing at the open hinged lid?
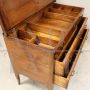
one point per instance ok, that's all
(15, 11)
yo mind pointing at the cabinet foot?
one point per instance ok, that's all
(18, 79)
(50, 88)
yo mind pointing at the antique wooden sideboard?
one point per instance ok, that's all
(44, 39)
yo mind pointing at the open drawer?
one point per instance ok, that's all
(50, 29)
(62, 62)
(48, 35)
(63, 81)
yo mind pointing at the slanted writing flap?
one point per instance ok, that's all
(15, 11)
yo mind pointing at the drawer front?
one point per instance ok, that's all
(65, 59)
(63, 81)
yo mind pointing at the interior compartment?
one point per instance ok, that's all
(55, 23)
(61, 49)
(51, 23)
(65, 51)
(52, 15)
(55, 29)
(49, 38)
(76, 52)
(38, 38)
(48, 30)
(25, 34)
(65, 10)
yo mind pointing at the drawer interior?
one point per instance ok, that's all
(38, 38)
(48, 27)
(64, 52)
(78, 48)
(63, 81)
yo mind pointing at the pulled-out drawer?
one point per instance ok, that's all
(62, 62)
(63, 81)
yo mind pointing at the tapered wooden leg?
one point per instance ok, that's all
(18, 78)
(50, 87)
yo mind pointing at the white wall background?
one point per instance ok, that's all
(80, 3)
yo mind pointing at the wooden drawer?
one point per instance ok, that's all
(63, 81)
(62, 62)
(53, 28)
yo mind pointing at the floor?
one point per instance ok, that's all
(80, 80)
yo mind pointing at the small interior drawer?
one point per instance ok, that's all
(63, 81)
(62, 61)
